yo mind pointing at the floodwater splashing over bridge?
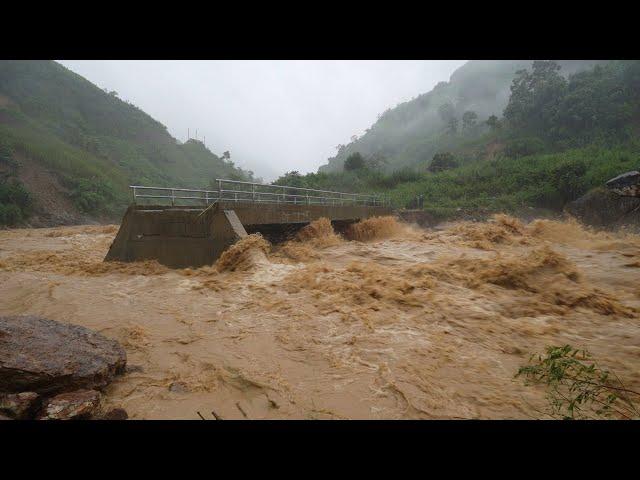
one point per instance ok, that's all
(194, 227)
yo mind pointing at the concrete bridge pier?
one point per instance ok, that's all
(181, 237)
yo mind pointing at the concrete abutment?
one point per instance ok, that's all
(181, 237)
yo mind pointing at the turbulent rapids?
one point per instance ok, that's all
(386, 321)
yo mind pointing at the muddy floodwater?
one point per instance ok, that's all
(393, 323)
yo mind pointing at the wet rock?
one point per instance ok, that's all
(627, 184)
(115, 414)
(45, 356)
(19, 406)
(78, 405)
(602, 207)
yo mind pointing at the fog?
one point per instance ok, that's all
(273, 116)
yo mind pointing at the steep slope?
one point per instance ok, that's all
(558, 137)
(411, 133)
(89, 141)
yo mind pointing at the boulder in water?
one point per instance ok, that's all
(45, 356)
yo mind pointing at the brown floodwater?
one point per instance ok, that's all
(388, 322)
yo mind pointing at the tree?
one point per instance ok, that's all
(355, 161)
(377, 161)
(493, 123)
(226, 155)
(578, 388)
(535, 96)
(469, 119)
(292, 178)
(442, 161)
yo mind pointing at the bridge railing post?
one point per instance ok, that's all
(219, 190)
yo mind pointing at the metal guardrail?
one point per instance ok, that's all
(238, 191)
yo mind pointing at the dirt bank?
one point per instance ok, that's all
(396, 323)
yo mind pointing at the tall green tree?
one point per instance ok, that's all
(442, 161)
(535, 96)
(355, 161)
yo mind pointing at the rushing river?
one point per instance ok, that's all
(393, 322)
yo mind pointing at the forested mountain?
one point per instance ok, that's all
(412, 132)
(64, 139)
(500, 136)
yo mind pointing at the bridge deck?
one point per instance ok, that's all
(196, 235)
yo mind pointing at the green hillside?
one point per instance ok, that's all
(562, 129)
(88, 141)
(412, 132)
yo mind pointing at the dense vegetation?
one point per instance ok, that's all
(498, 136)
(558, 137)
(453, 112)
(93, 142)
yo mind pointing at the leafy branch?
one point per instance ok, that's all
(577, 387)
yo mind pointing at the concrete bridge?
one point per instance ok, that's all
(191, 228)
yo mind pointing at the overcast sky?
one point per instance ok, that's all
(273, 116)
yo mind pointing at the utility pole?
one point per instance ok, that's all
(188, 135)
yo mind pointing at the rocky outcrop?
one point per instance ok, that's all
(78, 405)
(626, 184)
(50, 370)
(19, 406)
(604, 208)
(615, 206)
(45, 356)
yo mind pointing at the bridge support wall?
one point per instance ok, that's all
(181, 237)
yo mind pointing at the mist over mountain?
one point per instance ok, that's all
(69, 149)
(410, 133)
(498, 137)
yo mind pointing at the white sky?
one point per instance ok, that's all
(273, 116)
